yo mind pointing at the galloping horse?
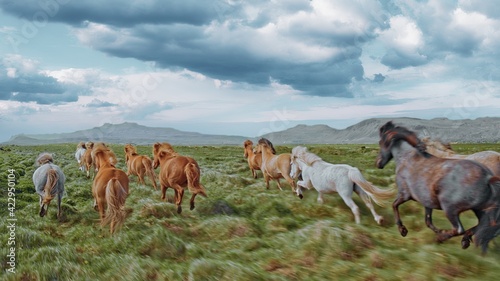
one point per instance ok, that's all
(451, 185)
(275, 166)
(177, 172)
(254, 159)
(139, 165)
(80, 151)
(344, 179)
(490, 159)
(110, 188)
(87, 158)
(49, 181)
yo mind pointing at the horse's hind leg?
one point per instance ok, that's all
(191, 202)
(428, 220)
(458, 229)
(179, 194)
(350, 203)
(469, 232)
(368, 202)
(395, 207)
(59, 209)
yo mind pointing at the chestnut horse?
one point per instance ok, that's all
(139, 165)
(451, 185)
(49, 181)
(275, 166)
(110, 187)
(87, 158)
(254, 159)
(177, 172)
(490, 159)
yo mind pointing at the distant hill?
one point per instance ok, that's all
(128, 133)
(365, 132)
(481, 130)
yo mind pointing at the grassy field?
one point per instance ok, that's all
(240, 232)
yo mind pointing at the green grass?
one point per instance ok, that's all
(242, 231)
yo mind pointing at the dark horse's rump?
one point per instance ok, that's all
(449, 184)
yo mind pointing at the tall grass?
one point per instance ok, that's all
(242, 231)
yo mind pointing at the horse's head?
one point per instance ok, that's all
(248, 144)
(389, 136)
(80, 145)
(161, 151)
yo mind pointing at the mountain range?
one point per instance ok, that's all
(480, 130)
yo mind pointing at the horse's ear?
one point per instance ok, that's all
(387, 126)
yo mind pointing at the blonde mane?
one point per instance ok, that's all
(306, 156)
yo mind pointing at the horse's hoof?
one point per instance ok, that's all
(192, 207)
(403, 231)
(466, 242)
(179, 210)
(301, 196)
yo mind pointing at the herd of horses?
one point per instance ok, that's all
(428, 172)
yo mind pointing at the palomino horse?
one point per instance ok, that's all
(49, 181)
(139, 165)
(80, 151)
(177, 172)
(254, 159)
(344, 179)
(275, 166)
(451, 185)
(87, 158)
(110, 188)
(490, 159)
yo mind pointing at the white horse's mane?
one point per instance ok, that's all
(308, 157)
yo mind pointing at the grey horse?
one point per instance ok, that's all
(49, 182)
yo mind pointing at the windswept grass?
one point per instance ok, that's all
(242, 231)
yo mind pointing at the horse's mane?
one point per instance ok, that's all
(108, 155)
(268, 143)
(436, 144)
(389, 134)
(44, 158)
(157, 147)
(130, 149)
(302, 153)
(81, 145)
(247, 143)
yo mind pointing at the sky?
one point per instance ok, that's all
(244, 68)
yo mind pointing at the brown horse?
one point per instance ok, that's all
(451, 185)
(254, 159)
(139, 165)
(274, 166)
(177, 172)
(87, 158)
(490, 159)
(110, 188)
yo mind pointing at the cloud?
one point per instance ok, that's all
(311, 46)
(99, 103)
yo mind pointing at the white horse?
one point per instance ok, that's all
(328, 178)
(80, 151)
(49, 181)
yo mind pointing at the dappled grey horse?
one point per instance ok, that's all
(451, 185)
(49, 182)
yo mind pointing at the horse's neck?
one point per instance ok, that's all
(401, 151)
(249, 151)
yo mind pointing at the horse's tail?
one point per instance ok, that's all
(489, 224)
(50, 184)
(376, 194)
(193, 178)
(115, 198)
(148, 164)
